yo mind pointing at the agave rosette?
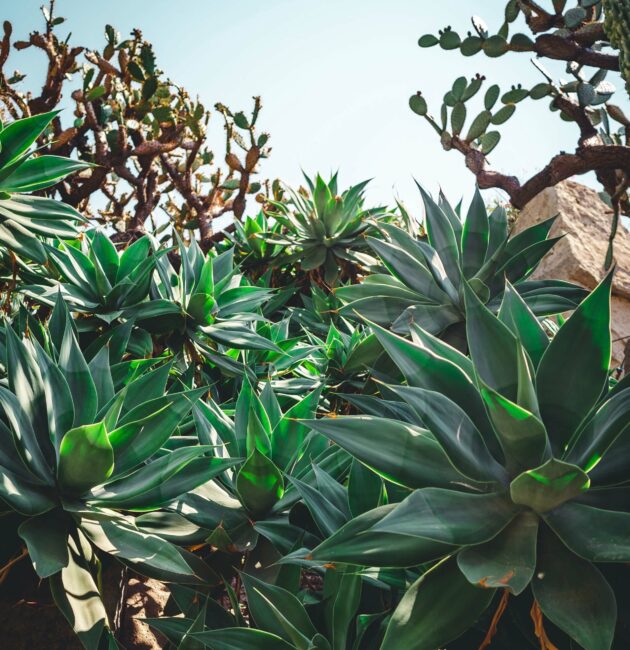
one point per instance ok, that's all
(517, 458)
(324, 230)
(95, 278)
(425, 278)
(280, 460)
(207, 298)
(251, 248)
(78, 456)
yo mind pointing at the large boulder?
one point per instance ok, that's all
(584, 220)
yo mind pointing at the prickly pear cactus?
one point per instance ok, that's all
(617, 26)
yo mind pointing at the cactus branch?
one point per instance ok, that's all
(560, 48)
(560, 167)
(145, 133)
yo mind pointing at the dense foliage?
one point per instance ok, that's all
(289, 432)
(329, 426)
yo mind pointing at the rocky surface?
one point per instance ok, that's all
(584, 220)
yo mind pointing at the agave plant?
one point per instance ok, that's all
(281, 613)
(254, 500)
(318, 311)
(207, 298)
(252, 251)
(342, 361)
(25, 218)
(283, 368)
(325, 231)
(78, 458)
(95, 279)
(426, 278)
(519, 467)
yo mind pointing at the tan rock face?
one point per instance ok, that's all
(584, 220)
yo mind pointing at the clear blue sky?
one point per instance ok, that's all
(335, 77)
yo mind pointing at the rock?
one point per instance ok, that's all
(584, 220)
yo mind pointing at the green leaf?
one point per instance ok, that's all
(489, 141)
(574, 595)
(357, 542)
(439, 607)
(77, 374)
(540, 90)
(22, 242)
(495, 46)
(432, 364)
(434, 318)
(163, 479)
(507, 561)
(428, 40)
(441, 236)
(145, 428)
(77, 596)
(105, 252)
(610, 423)
(498, 234)
(86, 458)
(188, 642)
(238, 335)
(459, 86)
(549, 485)
(39, 173)
(59, 406)
(24, 438)
(46, 538)
(326, 515)
(148, 554)
(521, 434)
(449, 40)
(26, 384)
(16, 138)
(574, 369)
(475, 236)
(458, 117)
(400, 452)
(342, 590)
(418, 104)
(449, 517)
(403, 259)
(491, 96)
(25, 497)
(471, 46)
(149, 87)
(365, 489)
(289, 434)
(492, 347)
(455, 432)
(259, 484)
(593, 534)
(479, 125)
(278, 611)
(95, 92)
(101, 374)
(503, 114)
(515, 313)
(238, 638)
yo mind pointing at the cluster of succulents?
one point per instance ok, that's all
(335, 429)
